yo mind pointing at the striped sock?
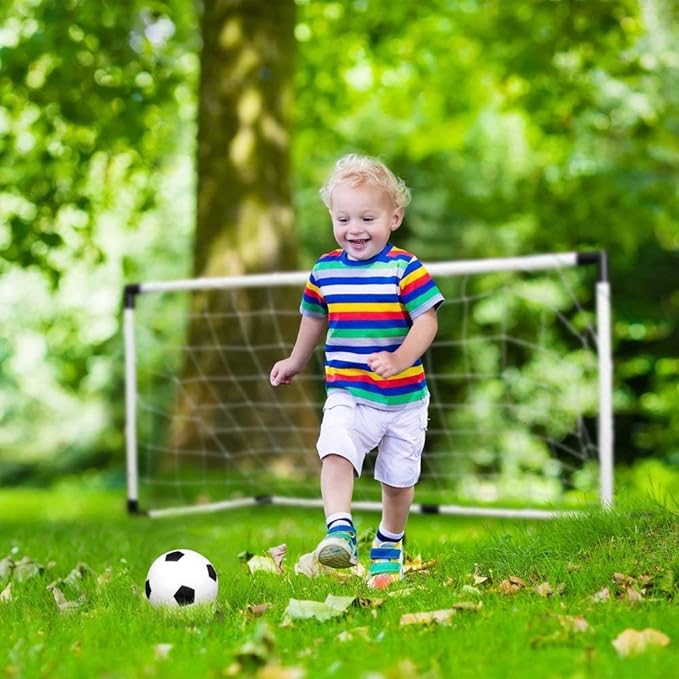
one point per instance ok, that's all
(383, 535)
(339, 519)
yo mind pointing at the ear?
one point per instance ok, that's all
(396, 218)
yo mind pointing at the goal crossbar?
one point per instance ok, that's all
(531, 263)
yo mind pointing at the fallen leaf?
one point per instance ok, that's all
(574, 623)
(468, 605)
(257, 610)
(77, 575)
(263, 563)
(62, 603)
(6, 566)
(332, 607)
(6, 594)
(162, 651)
(602, 595)
(632, 642)
(278, 553)
(441, 617)
(630, 594)
(511, 585)
(469, 589)
(368, 602)
(404, 591)
(414, 564)
(479, 579)
(26, 568)
(544, 589)
(276, 671)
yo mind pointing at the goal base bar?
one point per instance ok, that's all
(317, 503)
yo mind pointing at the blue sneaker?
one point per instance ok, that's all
(386, 564)
(338, 548)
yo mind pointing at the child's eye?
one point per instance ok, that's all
(368, 219)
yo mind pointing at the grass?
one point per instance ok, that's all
(114, 633)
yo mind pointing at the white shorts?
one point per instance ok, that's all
(351, 430)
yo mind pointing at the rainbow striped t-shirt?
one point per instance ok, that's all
(370, 306)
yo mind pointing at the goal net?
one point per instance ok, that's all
(519, 377)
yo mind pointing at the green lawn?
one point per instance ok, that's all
(115, 633)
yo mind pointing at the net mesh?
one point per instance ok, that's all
(512, 376)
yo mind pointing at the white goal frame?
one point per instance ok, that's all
(462, 267)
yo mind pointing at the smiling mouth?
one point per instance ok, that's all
(360, 242)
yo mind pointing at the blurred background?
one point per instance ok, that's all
(159, 139)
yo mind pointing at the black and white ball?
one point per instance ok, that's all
(181, 577)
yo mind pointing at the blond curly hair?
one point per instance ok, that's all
(357, 170)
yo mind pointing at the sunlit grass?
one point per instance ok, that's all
(115, 632)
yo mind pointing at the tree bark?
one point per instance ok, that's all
(245, 224)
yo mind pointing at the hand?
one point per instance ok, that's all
(385, 364)
(283, 372)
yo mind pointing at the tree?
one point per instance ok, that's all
(244, 213)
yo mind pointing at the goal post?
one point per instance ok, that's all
(520, 377)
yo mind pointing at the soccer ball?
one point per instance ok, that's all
(181, 577)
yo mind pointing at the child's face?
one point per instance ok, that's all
(363, 218)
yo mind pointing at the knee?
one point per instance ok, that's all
(396, 492)
(336, 461)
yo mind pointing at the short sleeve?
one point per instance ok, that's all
(418, 291)
(313, 303)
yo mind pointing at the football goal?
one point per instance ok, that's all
(520, 377)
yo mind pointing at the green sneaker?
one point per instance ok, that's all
(338, 548)
(386, 564)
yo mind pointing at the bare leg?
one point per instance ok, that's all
(338, 547)
(395, 507)
(337, 484)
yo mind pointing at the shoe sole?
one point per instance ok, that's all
(335, 555)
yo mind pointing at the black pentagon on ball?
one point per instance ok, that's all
(148, 589)
(174, 556)
(185, 595)
(212, 572)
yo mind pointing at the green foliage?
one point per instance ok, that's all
(522, 127)
(97, 132)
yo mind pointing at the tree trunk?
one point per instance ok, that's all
(244, 225)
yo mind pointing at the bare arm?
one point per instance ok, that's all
(417, 341)
(311, 330)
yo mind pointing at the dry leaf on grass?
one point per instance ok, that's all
(544, 589)
(64, 604)
(404, 591)
(272, 562)
(632, 642)
(602, 595)
(6, 594)
(333, 606)
(574, 623)
(257, 610)
(25, 569)
(276, 671)
(511, 585)
(415, 564)
(440, 617)
(77, 575)
(278, 553)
